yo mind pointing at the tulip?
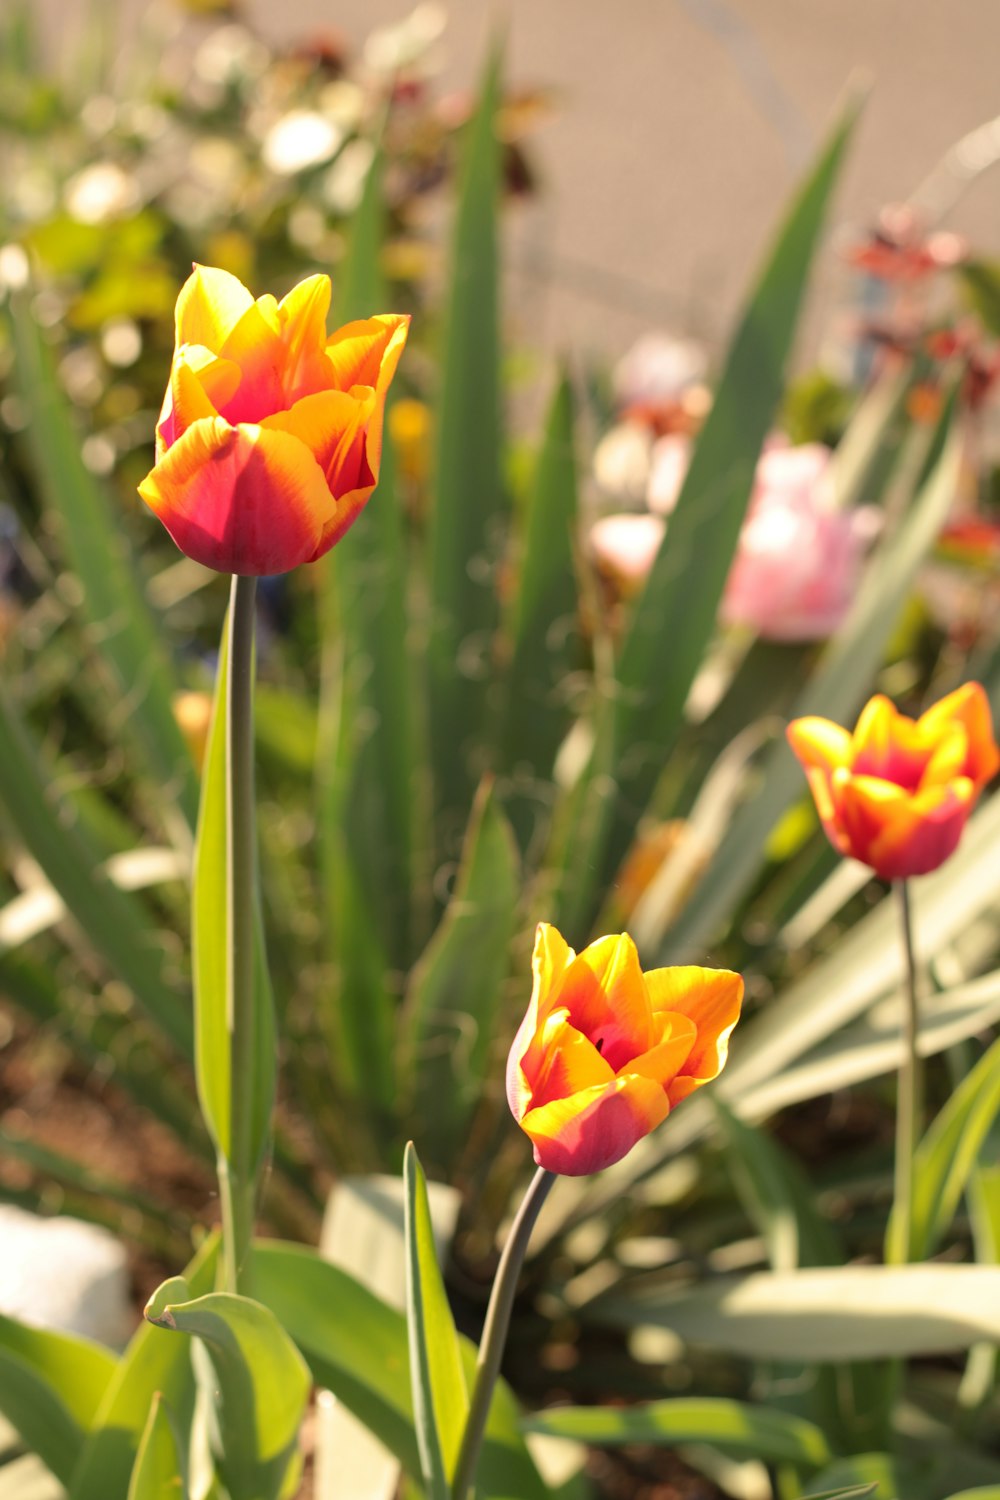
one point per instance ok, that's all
(605, 1051)
(896, 794)
(270, 435)
(799, 559)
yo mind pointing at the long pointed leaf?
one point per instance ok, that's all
(440, 1398)
(675, 615)
(50, 1387)
(159, 1467)
(260, 1387)
(114, 922)
(544, 627)
(836, 690)
(210, 959)
(468, 493)
(151, 1363)
(735, 1427)
(123, 629)
(357, 1346)
(456, 988)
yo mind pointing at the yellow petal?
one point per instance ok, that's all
(303, 332)
(210, 304)
(605, 994)
(564, 1063)
(970, 707)
(711, 998)
(819, 743)
(551, 958)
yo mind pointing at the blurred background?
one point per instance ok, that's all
(672, 130)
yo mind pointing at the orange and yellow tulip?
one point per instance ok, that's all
(897, 793)
(270, 436)
(605, 1051)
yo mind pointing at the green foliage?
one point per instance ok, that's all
(258, 1381)
(440, 1398)
(493, 741)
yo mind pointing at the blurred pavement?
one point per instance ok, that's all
(681, 126)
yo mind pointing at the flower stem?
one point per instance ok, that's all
(237, 1179)
(908, 1101)
(495, 1330)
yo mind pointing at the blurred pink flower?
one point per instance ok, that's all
(799, 560)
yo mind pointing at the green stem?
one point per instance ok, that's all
(495, 1330)
(908, 1098)
(237, 1175)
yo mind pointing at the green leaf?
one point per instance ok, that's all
(365, 754)
(980, 281)
(159, 1466)
(50, 1388)
(680, 601)
(982, 1492)
(456, 988)
(260, 1387)
(210, 959)
(357, 1346)
(835, 690)
(151, 1363)
(861, 1474)
(364, 1213)
(832, 1314)
(873, 1046)
(853, 1492)
(468, 500)
(946, 1157)
(544, 628)
(733, 1426)
(123, 631)
(778, 1195)
(114, 922)
(440, 1398)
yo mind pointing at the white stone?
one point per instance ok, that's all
(62, 1273)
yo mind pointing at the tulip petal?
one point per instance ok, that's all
(255, 345)
(551, 957)
(240, 499)
(567, 1063)
(333, 426)
(711, 998)
(597, 1127)
(350, 504)
(200, 385)
(970, 707)
(666, 1058)
(302, 314)
(920, 832)
(209, 306)
(605, 994)
(819, 743)
(357, 351)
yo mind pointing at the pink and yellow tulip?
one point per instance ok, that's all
(270, 436)
(605, 1051)
(896, 794)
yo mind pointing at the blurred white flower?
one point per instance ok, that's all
(344, 182)
(670, 459)
(658, 367)
(99, 193)
(622, 460)
(625, 546)
(301, 139)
